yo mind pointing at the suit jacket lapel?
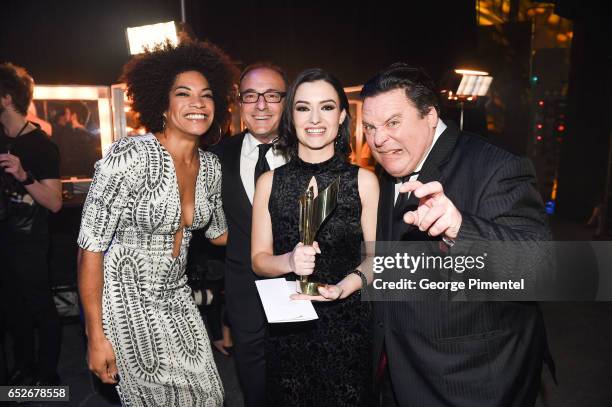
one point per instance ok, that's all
(235, 185)
(430, 171)
(244, 198)
(385, 207)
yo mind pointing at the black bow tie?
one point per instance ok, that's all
(406, 178)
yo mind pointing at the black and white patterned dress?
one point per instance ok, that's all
(133, 212)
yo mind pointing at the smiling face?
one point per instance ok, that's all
(262, 118)
(191, 107)
(316, 116)
(398, 135)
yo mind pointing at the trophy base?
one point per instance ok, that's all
(308, 287)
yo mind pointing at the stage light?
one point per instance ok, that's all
(561, 127)
(466, 86)
(473, 84)
(471, 72)
(148, 36)
(553, 19)
(66, 92)
(541, 103)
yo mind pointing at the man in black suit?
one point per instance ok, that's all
(439, 183)
(243, 158)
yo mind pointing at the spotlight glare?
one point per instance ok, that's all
(148, 36)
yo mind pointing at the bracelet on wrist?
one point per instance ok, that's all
(29, 179)
(364, 280)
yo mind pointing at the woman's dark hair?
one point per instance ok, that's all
(15, 81)
(417, 85)
(287, 139)
(149, 78)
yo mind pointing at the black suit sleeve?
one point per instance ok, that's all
(511, 211)
(510, 207)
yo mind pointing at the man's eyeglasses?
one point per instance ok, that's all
(269, 96)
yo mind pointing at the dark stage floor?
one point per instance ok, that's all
(580, 335)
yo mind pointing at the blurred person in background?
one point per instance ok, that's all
(79, 148)
(29, 189)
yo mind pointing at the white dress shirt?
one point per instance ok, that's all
(440, 127)
(249, 155)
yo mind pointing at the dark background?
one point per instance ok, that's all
(83, 42)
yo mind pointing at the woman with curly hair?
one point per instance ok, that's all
(325, 362)
(147, 196)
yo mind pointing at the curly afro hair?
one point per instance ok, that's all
(149, 78)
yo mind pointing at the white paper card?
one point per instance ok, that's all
(279, 307)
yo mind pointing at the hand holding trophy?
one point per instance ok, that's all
(313, 212)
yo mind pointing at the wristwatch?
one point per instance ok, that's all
(29, 179)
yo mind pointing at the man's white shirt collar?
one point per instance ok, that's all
(248, 159)
(440, 127)
(250, 144)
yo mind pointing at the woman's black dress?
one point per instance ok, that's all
(325, 362)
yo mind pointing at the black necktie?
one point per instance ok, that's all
(262, 164)
(402, 198)
(398, 227)
(406, 178)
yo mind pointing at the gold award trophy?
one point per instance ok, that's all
(313, 212)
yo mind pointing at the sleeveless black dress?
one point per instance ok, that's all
(325, 362)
